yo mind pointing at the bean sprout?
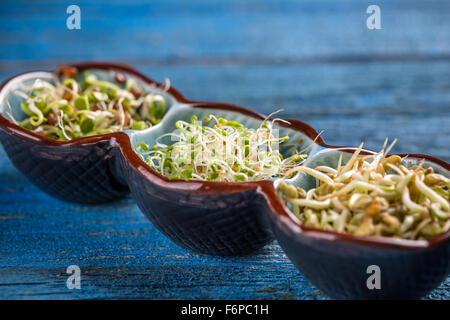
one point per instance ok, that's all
(377, 198)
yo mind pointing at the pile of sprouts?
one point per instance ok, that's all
(373, 195)
(223, 151)
(66, 109)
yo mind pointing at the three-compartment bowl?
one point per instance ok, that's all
(220, 218)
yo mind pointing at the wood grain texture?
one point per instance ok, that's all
(314, 59)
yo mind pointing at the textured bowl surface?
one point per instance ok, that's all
(212, 218)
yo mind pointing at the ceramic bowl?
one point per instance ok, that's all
(221, 218)
(80, 170)
(207, 217)
(216, 218)
(340, 264)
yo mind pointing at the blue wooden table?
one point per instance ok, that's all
(315, 59)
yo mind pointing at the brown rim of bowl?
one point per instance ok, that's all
(266, 188)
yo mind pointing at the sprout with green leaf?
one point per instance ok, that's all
(69, 109)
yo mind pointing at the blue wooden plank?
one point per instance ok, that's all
(178, 29)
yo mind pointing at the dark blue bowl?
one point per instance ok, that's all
(222, 218)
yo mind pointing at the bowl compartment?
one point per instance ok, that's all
(7, 92)
(337, 264)
(81, 170)
(184, 112)
(213, 218)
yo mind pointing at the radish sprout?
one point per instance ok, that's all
(224, 151)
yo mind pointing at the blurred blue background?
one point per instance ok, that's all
(316, 59)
